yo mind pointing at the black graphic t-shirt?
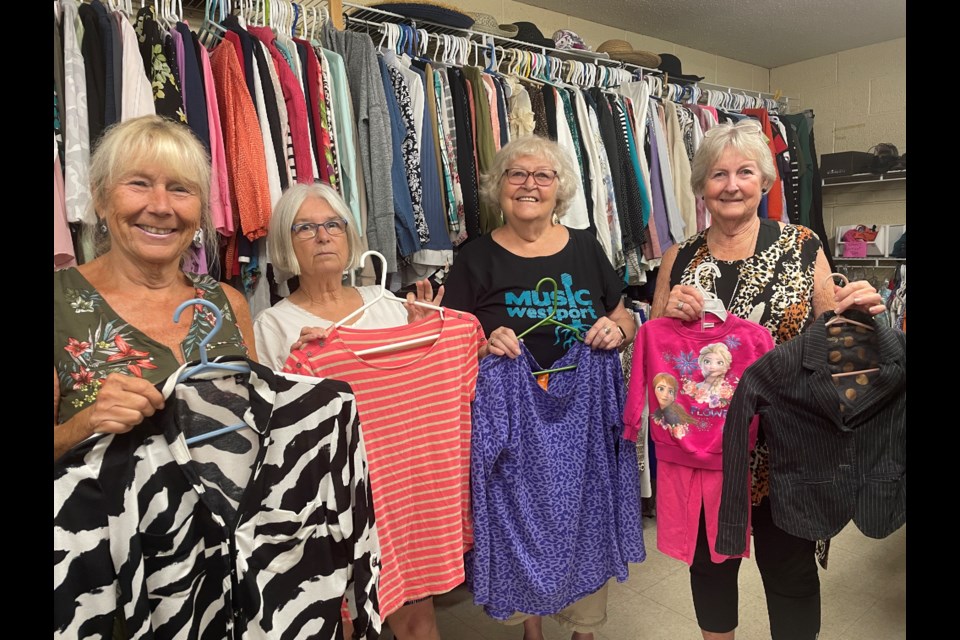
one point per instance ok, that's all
(499, 288)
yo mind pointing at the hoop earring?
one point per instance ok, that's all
(198, 238)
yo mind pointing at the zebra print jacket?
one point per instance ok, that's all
(258, 533)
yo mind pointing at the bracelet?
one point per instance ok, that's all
(623, 334)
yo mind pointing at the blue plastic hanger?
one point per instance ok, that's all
(206, 365)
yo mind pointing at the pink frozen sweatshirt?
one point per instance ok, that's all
(689, 375)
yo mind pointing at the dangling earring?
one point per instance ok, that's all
(556, 219)
(102, 227)
(198, 238)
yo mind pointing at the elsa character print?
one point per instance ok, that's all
(715, 390)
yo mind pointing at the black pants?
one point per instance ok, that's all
(788, 569)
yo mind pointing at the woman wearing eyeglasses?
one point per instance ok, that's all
(495, 277)
(311, 236)
(776, 275)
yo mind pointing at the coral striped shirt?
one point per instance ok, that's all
(414, 408)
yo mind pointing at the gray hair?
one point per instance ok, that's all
(279, 238)
(537, 147)
(134, 143)
(748, 139)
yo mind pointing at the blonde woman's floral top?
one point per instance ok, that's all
(90, 341)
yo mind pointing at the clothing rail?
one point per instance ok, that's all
(364, 18)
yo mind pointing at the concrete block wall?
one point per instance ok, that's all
(859, 99)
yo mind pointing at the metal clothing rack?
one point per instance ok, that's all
(369, 19)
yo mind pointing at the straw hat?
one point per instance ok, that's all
(486, 23)
(624, 51)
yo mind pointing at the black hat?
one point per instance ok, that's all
(428, 10)
(670, 64)
(531, 34)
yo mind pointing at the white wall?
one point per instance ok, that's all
(859, 98)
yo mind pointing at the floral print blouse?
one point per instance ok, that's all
(90, 341)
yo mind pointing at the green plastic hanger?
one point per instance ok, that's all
(549, 320)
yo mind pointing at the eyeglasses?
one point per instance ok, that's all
(746, 126)
(307, 230)
(543, 177)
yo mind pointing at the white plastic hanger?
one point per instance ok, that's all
(382, 293)
(711, 303)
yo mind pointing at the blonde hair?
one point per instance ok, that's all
(718, 348)
(748, 140)
(279, 238)
(536, 147)
(135, 143)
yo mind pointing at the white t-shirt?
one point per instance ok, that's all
(279, 326)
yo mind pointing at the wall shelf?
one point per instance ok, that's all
(865, 178)
(874, 260)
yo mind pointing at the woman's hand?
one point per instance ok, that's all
(424, 294)
(122, 403)
(502, 342)
(685, 303)
(859, 295)
(309, 334)
(604, 335)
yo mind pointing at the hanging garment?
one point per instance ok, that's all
(489, 215)
(328, 123)
(775, 194)
(76, 142)
(410, 151)
(466, 160)
(95, 70)
(677, 231)
(109, 41)
(295, 103)
(220, 209)
(521, 110)
(62, 243)
(556, 502)
(350, 179)
(600, 184)
(837, 445)
(688, 375)
(448, 155)
(137, 96)
(243, 145)
(194, 102)
(404, 223)
(272, 114)
(159, 68)
(437, 251)
(374, 143)
(680, 170)
(418, 444)
(577, 214)
(230, 538)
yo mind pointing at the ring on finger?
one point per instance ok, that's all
(679, 304)
(606, 331)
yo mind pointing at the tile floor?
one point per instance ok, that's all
(863, 598)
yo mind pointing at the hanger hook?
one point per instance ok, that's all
(216, 326)
(705, 266)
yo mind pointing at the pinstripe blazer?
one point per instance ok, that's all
(837, 449)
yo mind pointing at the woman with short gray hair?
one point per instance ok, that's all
(312, 236)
